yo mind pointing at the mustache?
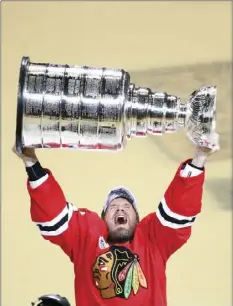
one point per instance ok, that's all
(120, 213)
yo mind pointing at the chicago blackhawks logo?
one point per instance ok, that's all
(117, 273)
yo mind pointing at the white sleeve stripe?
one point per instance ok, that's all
(170, 219)
(56, 219)
(171, 224)
(61, 229)
(69, 207)
(37, 183)
(172, 214)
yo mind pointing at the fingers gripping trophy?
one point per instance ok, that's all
(89, 108)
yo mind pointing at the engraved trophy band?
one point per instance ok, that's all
(98, 108)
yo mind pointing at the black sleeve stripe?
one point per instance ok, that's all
(59, 224)
(55, 226)
(168, 218)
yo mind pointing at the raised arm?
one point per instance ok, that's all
(57, 220)
(170, 226)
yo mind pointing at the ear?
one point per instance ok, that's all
(102, 214)
(137, 217)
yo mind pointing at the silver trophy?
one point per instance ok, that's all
(80, 107)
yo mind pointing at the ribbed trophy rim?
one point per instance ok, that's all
(20, 106)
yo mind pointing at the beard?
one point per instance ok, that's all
(120, 235)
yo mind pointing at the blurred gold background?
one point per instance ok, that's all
(171, 46)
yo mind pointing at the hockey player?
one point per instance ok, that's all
(119, 259)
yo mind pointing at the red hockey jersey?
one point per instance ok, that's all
(124, 274)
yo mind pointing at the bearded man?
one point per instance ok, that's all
(119, 259)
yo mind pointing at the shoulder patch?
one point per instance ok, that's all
(102, 243)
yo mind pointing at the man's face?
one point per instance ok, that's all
(121, 219)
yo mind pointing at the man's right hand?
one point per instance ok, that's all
(28, 156)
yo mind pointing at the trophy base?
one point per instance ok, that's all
(20, 106)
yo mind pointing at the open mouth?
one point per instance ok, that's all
(121, 220)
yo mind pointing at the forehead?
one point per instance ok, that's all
(119, 201)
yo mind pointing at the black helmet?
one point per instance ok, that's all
(51, 300)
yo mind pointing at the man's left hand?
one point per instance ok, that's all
(202, 153)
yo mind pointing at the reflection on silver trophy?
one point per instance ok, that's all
(79, 107)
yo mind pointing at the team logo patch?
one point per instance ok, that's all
(102, 243)
(118, 273)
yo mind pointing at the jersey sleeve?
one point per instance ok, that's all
(57, 220)
(170, 226)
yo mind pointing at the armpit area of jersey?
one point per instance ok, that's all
(35, 172)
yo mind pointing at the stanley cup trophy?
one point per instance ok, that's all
(87, 108)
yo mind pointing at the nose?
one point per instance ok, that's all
(120, 209)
